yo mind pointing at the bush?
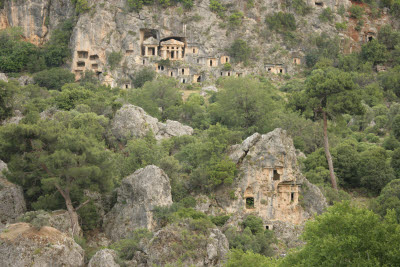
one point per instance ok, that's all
(254, 223)
(220, 220)
(143, 76)
(227, 67)
(235, 20)
(38, 219)
(326, 15)
(217, 7)
(281, 22)
(239, 258)
(356, 11)
(114, 58)
(126, 248)
(341, 26)
(81, 6)
(54, 78)
(300, 7)
(240, 51)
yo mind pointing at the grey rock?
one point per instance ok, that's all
(18, 116)
(12, 202)
(132, 121)
(23, 245)
(3, 77)
(138, 195)
(25, 80)
(104, 258)
(270, 177)
(209, 250)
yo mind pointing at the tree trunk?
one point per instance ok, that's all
(76, 229)
(328, 153)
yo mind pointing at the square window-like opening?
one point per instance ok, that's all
(80, 64)
(277, 176)
(250, 203)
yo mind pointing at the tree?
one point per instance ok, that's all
(54, 79)
(374, 169)
(55, 160)
(244, 103)
(348, 236)
(143, 76)
(329, 93)
(7, 91)
(240, 51)
(389, 199)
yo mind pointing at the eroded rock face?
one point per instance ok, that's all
(270, 183)
(3, 77)
(132, 121)
(208, 250)
(104, 258)
(138, 195)
(12, 202)
(23, 245)
(35, 17)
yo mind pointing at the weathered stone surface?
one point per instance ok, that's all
(132, 121)
(25, 80)
(18, 116)
(138, 195)
(270, 185)
(12, 202)
(104, 258)
(35, 17)
(3, 77)
(270, 175)
(207, 250)
(23, 245)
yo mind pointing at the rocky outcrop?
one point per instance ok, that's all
(12, 202)
(270, 183)
(23, 245)
(3, 77)
(18, 116)
(25, 80)
(36, 18)
(138, 194)
(170, 244)
(104, 258)
(132, 121)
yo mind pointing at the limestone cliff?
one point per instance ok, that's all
(270, 183)
(196, 41)
(138, 195)
(23, 245)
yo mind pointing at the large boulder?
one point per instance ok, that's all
(138, 195)
(271, 185)
(21, 244)
(132, 121)
(12, 202)
(104, 258)
(170, 244)
(3, 77)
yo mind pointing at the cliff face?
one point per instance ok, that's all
(36, 18)
(200, 38)
(270, 183)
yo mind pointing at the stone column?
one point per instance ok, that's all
(146, 51)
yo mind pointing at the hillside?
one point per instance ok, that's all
(199, 133)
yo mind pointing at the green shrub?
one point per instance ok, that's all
(38, 219)
(356, 11)
(299, 6)
(227, 67)
(235, 20)
(143, 76)
(240, 51)
(217, 7)
(81, 6)
(113, 59)
(220, 220)
(54, 78)
(326, 15)
(254, 223)
(341, 26)
(126, 248)
(281, 22)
